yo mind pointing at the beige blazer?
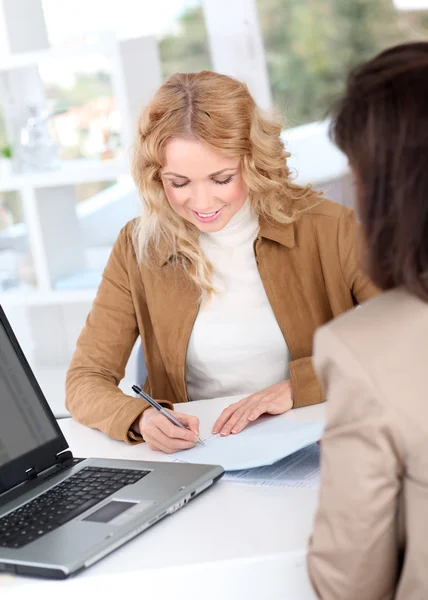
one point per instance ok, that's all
(370, 537)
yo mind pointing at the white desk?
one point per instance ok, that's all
(234, 542)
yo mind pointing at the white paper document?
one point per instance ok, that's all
(301, 470)
(263, 442)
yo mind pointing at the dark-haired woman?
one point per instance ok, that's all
(370, 539)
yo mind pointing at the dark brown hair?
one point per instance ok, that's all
(381, 124)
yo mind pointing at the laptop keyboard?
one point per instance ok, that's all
(62, 503)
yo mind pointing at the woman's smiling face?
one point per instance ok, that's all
(203, 187)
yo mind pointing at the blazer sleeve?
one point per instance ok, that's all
(349, 242)
(102, 352)
(306, 387)
(354, 550)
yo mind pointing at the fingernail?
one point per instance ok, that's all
(214, 431)
(224, 432)
(251, 417)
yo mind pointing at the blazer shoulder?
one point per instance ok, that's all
(391, 328)
(388, 312)
(384, 342)
(328, 218)
(127, 231)
(323, 209)
(125, 239)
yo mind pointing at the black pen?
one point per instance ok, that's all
(166, 413)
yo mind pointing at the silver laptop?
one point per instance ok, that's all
(60, 514)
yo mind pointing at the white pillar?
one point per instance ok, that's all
(22, 26)
(236, 45)
(60, 235)
(136, 76)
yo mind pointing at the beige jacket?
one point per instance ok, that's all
(370, 539)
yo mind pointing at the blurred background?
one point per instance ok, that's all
(74, 74)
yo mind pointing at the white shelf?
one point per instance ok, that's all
(28, 59)
(71, 172)
(32, 297)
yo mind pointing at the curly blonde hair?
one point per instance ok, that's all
(218, 111)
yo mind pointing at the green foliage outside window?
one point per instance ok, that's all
(310, 45)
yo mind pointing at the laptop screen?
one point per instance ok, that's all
(24, 424)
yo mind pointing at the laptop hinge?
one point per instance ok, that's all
(31, 473)
(61, 459)
(64, 457)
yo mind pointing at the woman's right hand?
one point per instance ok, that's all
(160, 434)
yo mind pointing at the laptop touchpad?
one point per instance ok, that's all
(117, 512)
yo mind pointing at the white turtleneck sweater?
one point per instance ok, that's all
(236, 346)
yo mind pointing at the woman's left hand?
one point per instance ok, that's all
(274, 400)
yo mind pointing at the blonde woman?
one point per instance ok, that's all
(225, 276)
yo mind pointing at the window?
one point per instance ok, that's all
(310, 46)
(86, 121)
(185, 47)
